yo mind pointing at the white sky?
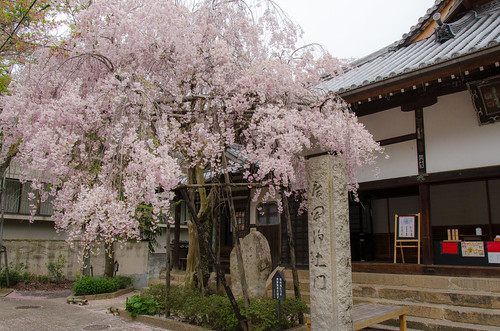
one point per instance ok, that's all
(354, 28)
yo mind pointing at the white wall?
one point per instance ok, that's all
(402, 162)
(402, 156)
(455, 140)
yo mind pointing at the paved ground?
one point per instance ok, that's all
(40, 311)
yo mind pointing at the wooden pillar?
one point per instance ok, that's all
(425, 224)
(423, 190)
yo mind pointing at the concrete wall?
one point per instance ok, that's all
(35, 254)
(18, 227)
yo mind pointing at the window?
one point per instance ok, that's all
(240, 220)
(267, 214)
(17, 201)
(12, 195)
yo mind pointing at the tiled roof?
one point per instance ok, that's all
(475, 31)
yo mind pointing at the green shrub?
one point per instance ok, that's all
(91, 285)
(263, 313)
(43, 278)
(17, 273)
(157, 292)
(216, 313)
(55, 268)
(141, 305)
(124, 281)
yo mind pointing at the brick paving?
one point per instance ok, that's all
(40, 311)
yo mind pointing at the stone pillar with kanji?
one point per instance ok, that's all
(329, 244)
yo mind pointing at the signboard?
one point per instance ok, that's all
(406, 234)
(279, 286)
(472, 249)
(407, 227)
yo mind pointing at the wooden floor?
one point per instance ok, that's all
(422, 269)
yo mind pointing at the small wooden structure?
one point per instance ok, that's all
(366, 314)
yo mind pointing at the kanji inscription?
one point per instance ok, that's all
(329, 248)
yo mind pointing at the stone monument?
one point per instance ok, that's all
(257, 263)
(329, 244)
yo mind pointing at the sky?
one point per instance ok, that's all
(354, 28)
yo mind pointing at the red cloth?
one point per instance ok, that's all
(494, 246)
(449, 248)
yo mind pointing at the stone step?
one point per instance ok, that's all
(481, 316)
(303, 274)
(431, 282)
(419, 281)
(448, 297)
(158, 281)
(428, 324)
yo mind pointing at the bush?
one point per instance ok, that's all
(218, 314)
(17, 273)
(157, 292)
(56, 268)
(91, 285)
(215, 312)
(124, 281)
(142, 305)
(263, 313)
(43, 278)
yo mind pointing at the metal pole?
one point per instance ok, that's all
(279, 315)
(167, 271)
(2, 248)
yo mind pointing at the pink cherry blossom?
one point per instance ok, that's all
(140, 90)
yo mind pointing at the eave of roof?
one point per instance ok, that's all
(477, 39)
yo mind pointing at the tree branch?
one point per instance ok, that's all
(17, 26)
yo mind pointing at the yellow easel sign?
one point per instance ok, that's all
(406, 234)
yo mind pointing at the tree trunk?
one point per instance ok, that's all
(109, 261)
(239, 257)
(191, 261)
(220, 273)
(291, 246)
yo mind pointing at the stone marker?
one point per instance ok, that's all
(257, 264)
(329, 246)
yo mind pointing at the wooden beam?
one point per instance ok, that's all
(399, 139)
(439, 177)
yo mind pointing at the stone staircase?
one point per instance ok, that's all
(176, 278)
(434, 302)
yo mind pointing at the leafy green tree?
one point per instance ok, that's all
(24, 24)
